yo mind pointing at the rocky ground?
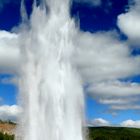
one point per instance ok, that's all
(7, 127)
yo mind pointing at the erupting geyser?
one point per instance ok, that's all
(51, 92)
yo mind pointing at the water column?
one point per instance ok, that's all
(50, 88)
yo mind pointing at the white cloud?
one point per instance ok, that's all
(118, 95)
(118, 101)
(129, 23)
(102, 57)
(9, 112)
(125, 107)
(131, 123)
(102, 122)
(101, 60)
(9, 52)
(114, 89)
(99, 122)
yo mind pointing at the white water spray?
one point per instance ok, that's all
(51, 92)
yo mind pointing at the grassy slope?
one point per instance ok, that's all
(95, 133)
(113, 133)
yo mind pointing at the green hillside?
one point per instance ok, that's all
(113, 133)
(101, 133)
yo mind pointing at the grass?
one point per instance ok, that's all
(113, 133)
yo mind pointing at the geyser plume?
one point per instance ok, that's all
(51, 92)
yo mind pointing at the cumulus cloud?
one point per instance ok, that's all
(115, 88)
(125, 107)
(131, 123)
(129, 23)
(118, 101)
(99, 122)
(118, 95)
(9, 112)
(9, 52)
(102, 59)
(101, 56)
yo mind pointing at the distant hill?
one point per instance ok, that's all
(94, 133)
(113, 133)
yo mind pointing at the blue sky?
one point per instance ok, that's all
(94, 19)
(8, 91)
